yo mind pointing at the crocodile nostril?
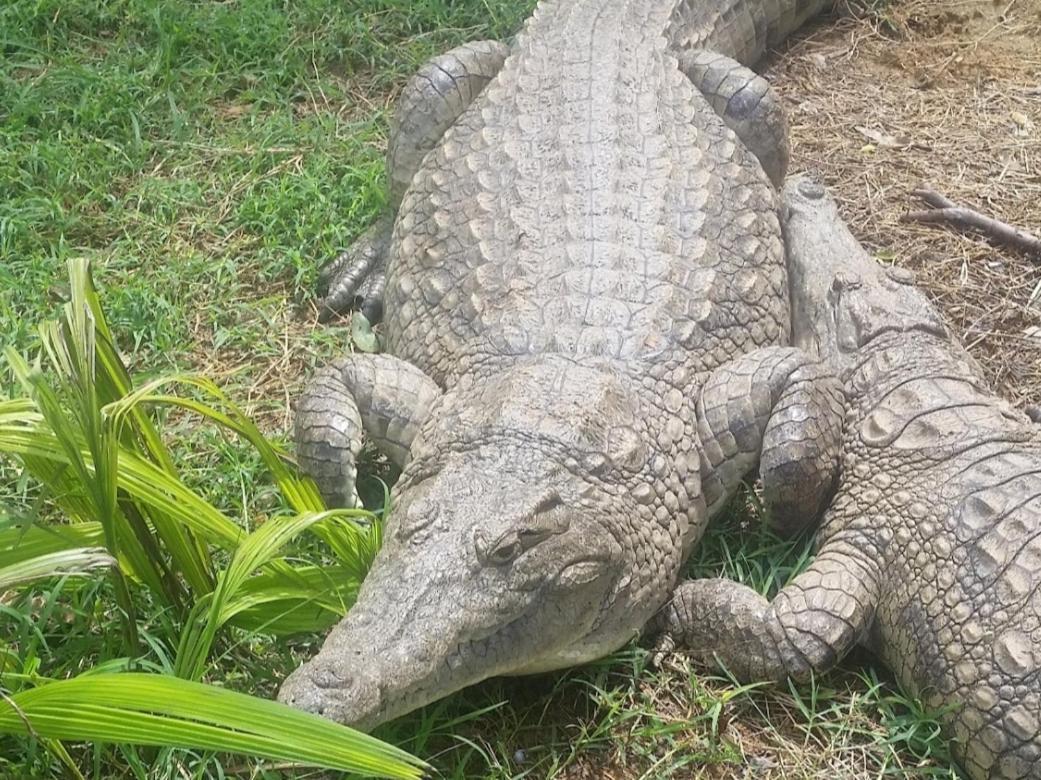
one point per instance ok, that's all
(811, 189)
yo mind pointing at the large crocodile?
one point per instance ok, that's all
(586, 318)
(930, 553)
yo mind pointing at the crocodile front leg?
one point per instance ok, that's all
(807, 628)
(434, 98)
(746, 103)
(779, 407)
(380, 395)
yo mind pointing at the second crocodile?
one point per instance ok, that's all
(930, 553)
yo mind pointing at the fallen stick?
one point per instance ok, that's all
(945, 211)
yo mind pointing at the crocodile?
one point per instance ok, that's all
(930, 552)
(586, 329)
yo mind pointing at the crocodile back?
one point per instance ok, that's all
(589, 203)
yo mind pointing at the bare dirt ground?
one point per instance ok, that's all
(946, 94)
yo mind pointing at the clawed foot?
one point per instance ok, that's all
(663, 648)
(356, 278)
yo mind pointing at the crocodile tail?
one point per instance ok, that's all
(741, 29)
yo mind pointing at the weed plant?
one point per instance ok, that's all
(117, 508)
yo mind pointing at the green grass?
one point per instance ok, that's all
(207, 157)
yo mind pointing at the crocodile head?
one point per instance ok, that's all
(841, 299)
(498, 558)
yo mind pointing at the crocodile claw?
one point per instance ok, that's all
(662, 650)
(365, 340)
(355, 279)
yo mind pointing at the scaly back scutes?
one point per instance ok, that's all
(585, 314)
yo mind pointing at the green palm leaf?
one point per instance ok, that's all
(90, 438)
(144, 709)
(64, 562)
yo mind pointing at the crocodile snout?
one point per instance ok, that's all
(327, 687)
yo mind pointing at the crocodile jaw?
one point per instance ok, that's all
(841, 299)
(446, 606)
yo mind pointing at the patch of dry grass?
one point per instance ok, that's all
(946, 94)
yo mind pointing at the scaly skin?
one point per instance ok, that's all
(586, 283)
(930, 553)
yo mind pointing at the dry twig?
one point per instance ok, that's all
(946, 211)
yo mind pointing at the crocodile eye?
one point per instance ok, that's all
(543, 524)
(498, 553)
(529, 537)
(505, 552)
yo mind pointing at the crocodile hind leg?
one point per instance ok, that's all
(380, 395)
(430, 103)
(745, 29)
(777, 406)
(807, 627)
(348, 279)
(747, 104)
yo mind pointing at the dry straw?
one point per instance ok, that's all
(945, 95)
